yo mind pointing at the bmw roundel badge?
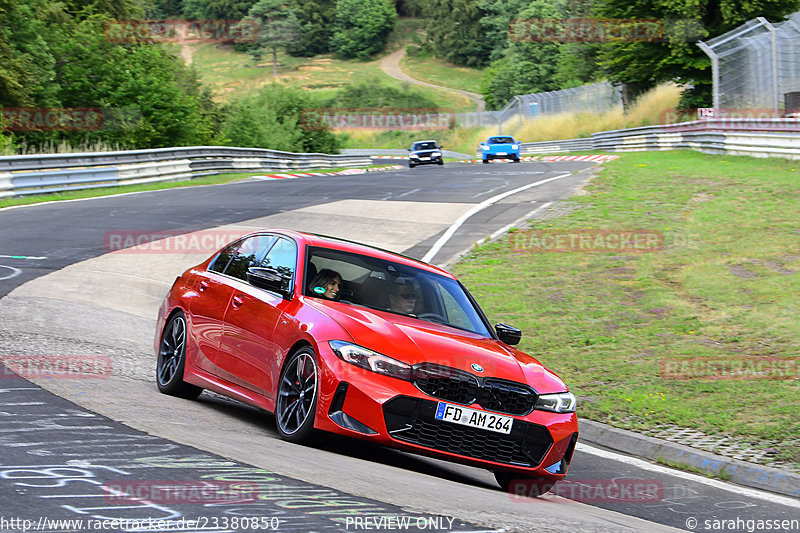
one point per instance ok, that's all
(476, 367)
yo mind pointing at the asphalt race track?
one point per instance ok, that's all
(68, 444)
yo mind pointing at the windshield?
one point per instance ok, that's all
(395, 288)
(425, 146)
(501, 140)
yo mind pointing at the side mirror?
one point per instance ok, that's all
(508, 334)
(483, 144)
(269, 279)
(408, 149)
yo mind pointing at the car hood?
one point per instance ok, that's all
(415, 341)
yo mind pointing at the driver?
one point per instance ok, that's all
(402, 298)
(327, 284)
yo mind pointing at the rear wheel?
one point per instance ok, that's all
(297, 396)
(522, 485)
(172, 360)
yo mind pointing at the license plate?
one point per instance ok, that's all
(425, 158)
(502, 153)
(473, 418)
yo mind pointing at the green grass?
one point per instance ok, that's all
(109, 191)
(725, 286)
(230, 74)
(440, 72)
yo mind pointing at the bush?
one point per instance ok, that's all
(273, 118)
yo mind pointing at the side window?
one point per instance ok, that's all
(455, 312)
(224, 257)
(247, 255)
(283, 258)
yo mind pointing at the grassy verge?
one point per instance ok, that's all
(109, 191)
(724, 289)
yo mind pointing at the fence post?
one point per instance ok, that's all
(714, 73)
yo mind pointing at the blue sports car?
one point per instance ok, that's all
(500, 147)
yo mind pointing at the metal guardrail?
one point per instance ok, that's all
(772, 137)
(37, 174)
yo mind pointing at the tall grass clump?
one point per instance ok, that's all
(648, 110)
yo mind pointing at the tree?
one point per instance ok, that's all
(642, 65)
(455, 33)
(362, 27)
(316, 21)
(278, 27)
(497, 17)
(526, 67)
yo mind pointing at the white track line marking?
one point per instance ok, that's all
(437, 246)
(14, 272)
(645, 465)
(23, 257)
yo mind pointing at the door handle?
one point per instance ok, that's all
(204, 284)
(237, 301)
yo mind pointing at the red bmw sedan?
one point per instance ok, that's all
(342, 337)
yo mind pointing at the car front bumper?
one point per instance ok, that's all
(393, 412)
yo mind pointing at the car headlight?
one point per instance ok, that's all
(369, 360)
(436, 154)
(413, 156)
(485, 147)
(515, 147)
(563, 402)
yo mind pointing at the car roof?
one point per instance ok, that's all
(344, 245)
(428, 141)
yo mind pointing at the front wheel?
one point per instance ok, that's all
(172, 360)
(485, 161)
(522, 485)
(297, 396)
(516, 159)
(440, 162)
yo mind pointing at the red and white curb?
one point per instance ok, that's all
(601, 158)
(345, 172)
(388, 157)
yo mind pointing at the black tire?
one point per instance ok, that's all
(294, 409)
(486, 161)
(440, 162)
(522, 485)
(516, 160)
(172, 360)
(411, 165)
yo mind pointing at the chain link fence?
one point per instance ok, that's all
(594, 98)
(757, 66)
